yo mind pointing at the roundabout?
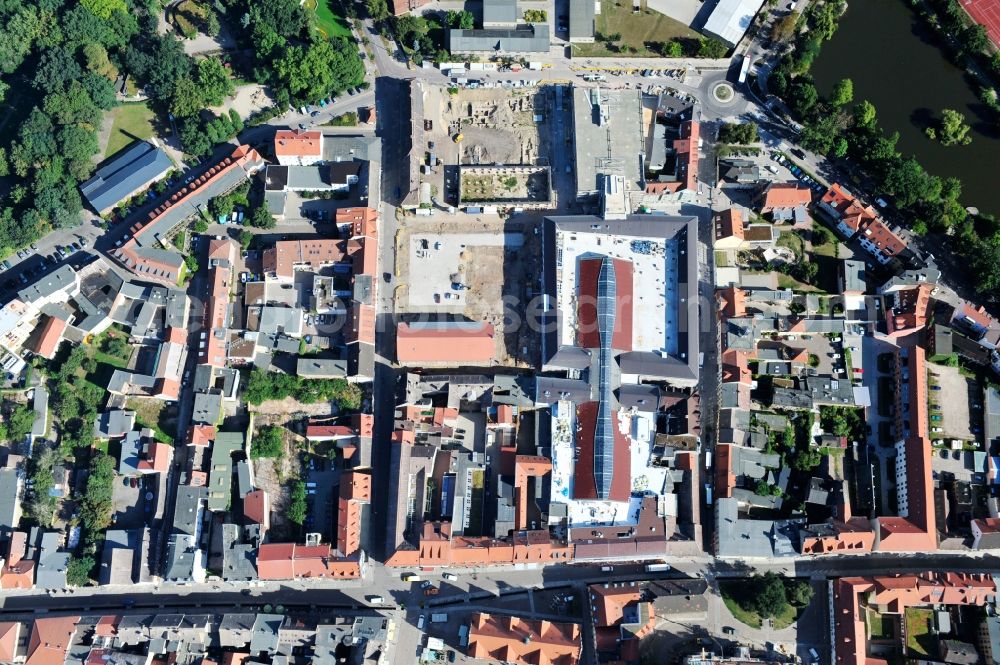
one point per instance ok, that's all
(723, 93)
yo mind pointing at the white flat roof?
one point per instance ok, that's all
(730, 19)
(653, 275)
(641, 430)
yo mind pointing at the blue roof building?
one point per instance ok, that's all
(130, 171)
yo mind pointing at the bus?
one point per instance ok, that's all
(745, 69)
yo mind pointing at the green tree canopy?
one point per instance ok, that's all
(267, 442)
(843, 93)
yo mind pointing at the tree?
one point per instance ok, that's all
(800, 593)
(297, 507)
(377, 9)
(19, 424)
(820, 235)
(103, 9)
(906, 180)
(322, 68)
(267, 443)
(865, 116)
(78, 144)
(975, 38)
(186, 99)
(673, 49)
(843, 93)
(98, 89)
(953, 129)
(245, 239)
(804, 98)
(459, 19)
(116, 346)
(96, 58)
(56, 69)
(95, 508)
(712, 48)
(822, 17)
(261, 218)
(740, 133)
(768, 597)
(214, 82)
(78, 570)
(193, 138)
(785, 27)
(534, 16)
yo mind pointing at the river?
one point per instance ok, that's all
(896, 63)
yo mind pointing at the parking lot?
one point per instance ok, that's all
(471, 260)
(821, 350)
(948, 386)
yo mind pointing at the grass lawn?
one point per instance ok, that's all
(637, 30)
(149, 413)
(789, 282)
(731, 589)
(331, 24)
(828, 249)
(879, 626)
(132, 121)
(792, 241)
(920, 640)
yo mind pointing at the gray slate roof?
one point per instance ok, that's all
(499, 11)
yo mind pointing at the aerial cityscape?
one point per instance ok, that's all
(534, 332)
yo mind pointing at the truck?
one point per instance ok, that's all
(657, 567)
(411, 577)
(535, 66)
(439, 618)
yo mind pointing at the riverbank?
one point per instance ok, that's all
(877, 133)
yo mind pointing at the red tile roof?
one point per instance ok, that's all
(255, 507)
(51, 335)
(470, 343)
(515, 640)
(158, 457)
(733, 301)
(355, 491)
(608, 602)
(885, 240)
(785, 195)
(729, 223)
(286, 254)
(362, 324)
(298, 143)
(201, 435)
(363, 221)
(286, 561)
(688, 153)
(9, 632)
(50, 640)
(852, 212)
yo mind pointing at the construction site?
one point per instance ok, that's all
(480, 270)
(505, 185)
(487, 127)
